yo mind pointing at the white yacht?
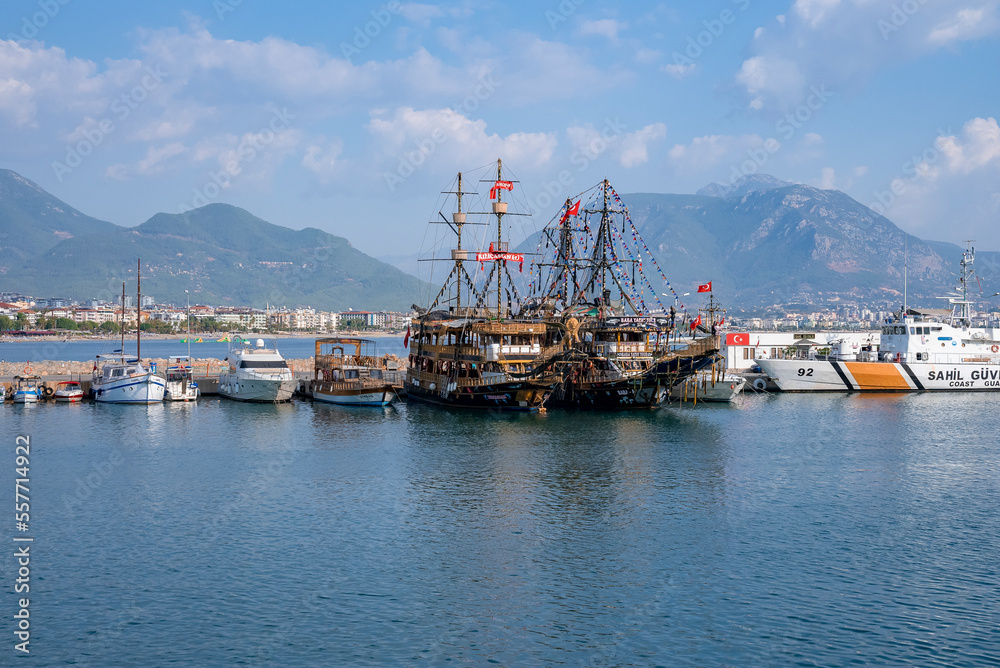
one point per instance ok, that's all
(256, 373)
(121, 379)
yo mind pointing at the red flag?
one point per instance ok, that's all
(722, 322)
(501, 185)
(406, 339)
(696, 321)
(705, 288)
(572, 211)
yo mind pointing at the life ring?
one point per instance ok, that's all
(760, 384)
(27, 370)
(995, 348)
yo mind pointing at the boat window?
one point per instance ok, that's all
(263, 364)
(376, 373)
(913, 330)
(350, 373)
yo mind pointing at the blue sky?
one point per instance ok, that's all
(351, 117)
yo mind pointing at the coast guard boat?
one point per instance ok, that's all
(926, 349)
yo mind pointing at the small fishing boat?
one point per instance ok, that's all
(120, 378)
(709, 385)
(68, 391)
(27, 389)
(180, 384)
(349, 372)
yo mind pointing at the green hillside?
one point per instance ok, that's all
(32, 221)
(222, 254)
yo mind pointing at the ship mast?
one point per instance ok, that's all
(138, 309)
(123, 320)
(459, 218)
(499, 211)
(600, 264)
(458, 255)
(968, 258)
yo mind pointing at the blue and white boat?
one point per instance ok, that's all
(121, 379)
(27, 389)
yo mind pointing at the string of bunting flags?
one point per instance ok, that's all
(644, 246)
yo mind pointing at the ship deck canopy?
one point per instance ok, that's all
(929, 312)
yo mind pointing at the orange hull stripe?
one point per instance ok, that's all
(877, 376)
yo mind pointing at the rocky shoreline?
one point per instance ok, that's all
(202, 366)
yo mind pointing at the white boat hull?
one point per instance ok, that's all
(68, 397)
(25, 397)
(840, 376)
(702, 389)
(257, 390)
(146, 388)
(178, 391)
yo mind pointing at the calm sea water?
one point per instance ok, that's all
(784, 530)
(78, 351)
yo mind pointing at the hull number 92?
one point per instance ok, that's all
(805, 372)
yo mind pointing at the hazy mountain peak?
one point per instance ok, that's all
(744, 185)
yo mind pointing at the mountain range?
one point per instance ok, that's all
(222, 254)
(762, 242)
(765, 242)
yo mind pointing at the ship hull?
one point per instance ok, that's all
(255, 390)
(841, 376)
(625, 394)
(511, 396)
(143, 389)
(355, 397)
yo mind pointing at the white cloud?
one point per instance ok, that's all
(828, 178)
(844, 43)
(629, 148)
(420, 14)
(978, 147)
(608, 28)
(40, 85)
(647, 56)
(323, 159)
(679, 71)
(771, 77)
(635, 146)
(445, 132)
(953, 192)
(708, 152)
(812, 12)
(966, 24)
(153, 163)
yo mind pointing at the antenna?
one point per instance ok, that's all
(905, 305)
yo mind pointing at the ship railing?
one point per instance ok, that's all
(333, 385)
(697, 348)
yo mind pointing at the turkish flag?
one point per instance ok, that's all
(572, 211)
(696, 321)
(741, 339)
(406, 339)
(705, 288)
